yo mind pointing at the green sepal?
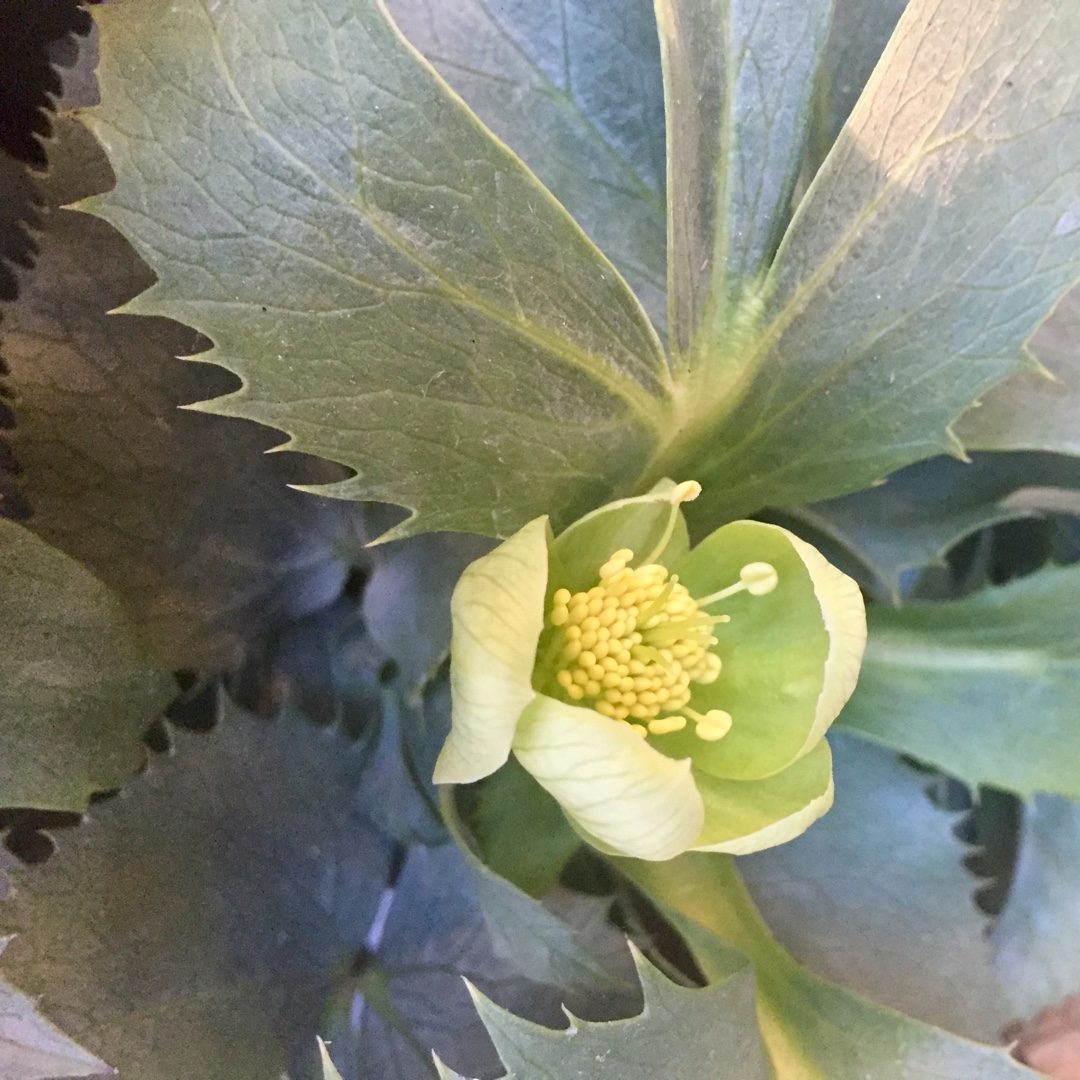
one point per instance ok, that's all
(773, 651)
(742, 816)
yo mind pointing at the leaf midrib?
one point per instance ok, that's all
(928, 653)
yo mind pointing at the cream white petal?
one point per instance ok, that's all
(610, 783)
(498, 614)
(844, 613)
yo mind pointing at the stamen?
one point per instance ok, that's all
(631, 645)
(757, 578)
(665, 725)
(687, 491)
(711, 727)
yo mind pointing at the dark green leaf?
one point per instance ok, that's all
(31, 1048)
(407, 600)
(76, 686)
(511, 805)
(181, 514)
(1031, 411)
(574, 87)
(192, 925)
(410, 995)
(874, 898)
(397, 292)
(539, 944)
(812, 1029)
(738, 80)
(932, 242)
(1037, 938)
(913, 518)
(985, 688)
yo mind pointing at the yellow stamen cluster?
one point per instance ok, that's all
(633, 644)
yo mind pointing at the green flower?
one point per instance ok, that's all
(670, 699)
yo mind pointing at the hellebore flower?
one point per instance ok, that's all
(669, 699)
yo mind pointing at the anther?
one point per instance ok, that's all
(757, 578)
(711, 727)
(665, 725)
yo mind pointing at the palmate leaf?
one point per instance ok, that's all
(434, 320)
(812, 1029)
(875, 899)
(76, 686)
(985, 688)
(574, 87)
(681, 1034)
(930, 245)
(410, 997)
(395, 289)
(1037, 938)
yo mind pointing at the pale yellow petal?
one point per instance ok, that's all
(844, 614)
(498, 613)
(610, 783)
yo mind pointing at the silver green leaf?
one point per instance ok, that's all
(573, 87)
(739, 78)
(919, 513)
(192, 924)
(680, 1034)
(813, 1030)
(1036, 410)
(1037, 938)
(395, 289)
(858, 34)
(875, 899)
(986, 688)
(33, 1049)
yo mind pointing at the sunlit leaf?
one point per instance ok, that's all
(985, 688)
(574, 87)
(858, 34)
(932, 242)
(396, 291)
(76, 686)
(1037, 938)
(813, 1030)
(193, 924)
(874, 898)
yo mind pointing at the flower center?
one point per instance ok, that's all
(632, 645)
